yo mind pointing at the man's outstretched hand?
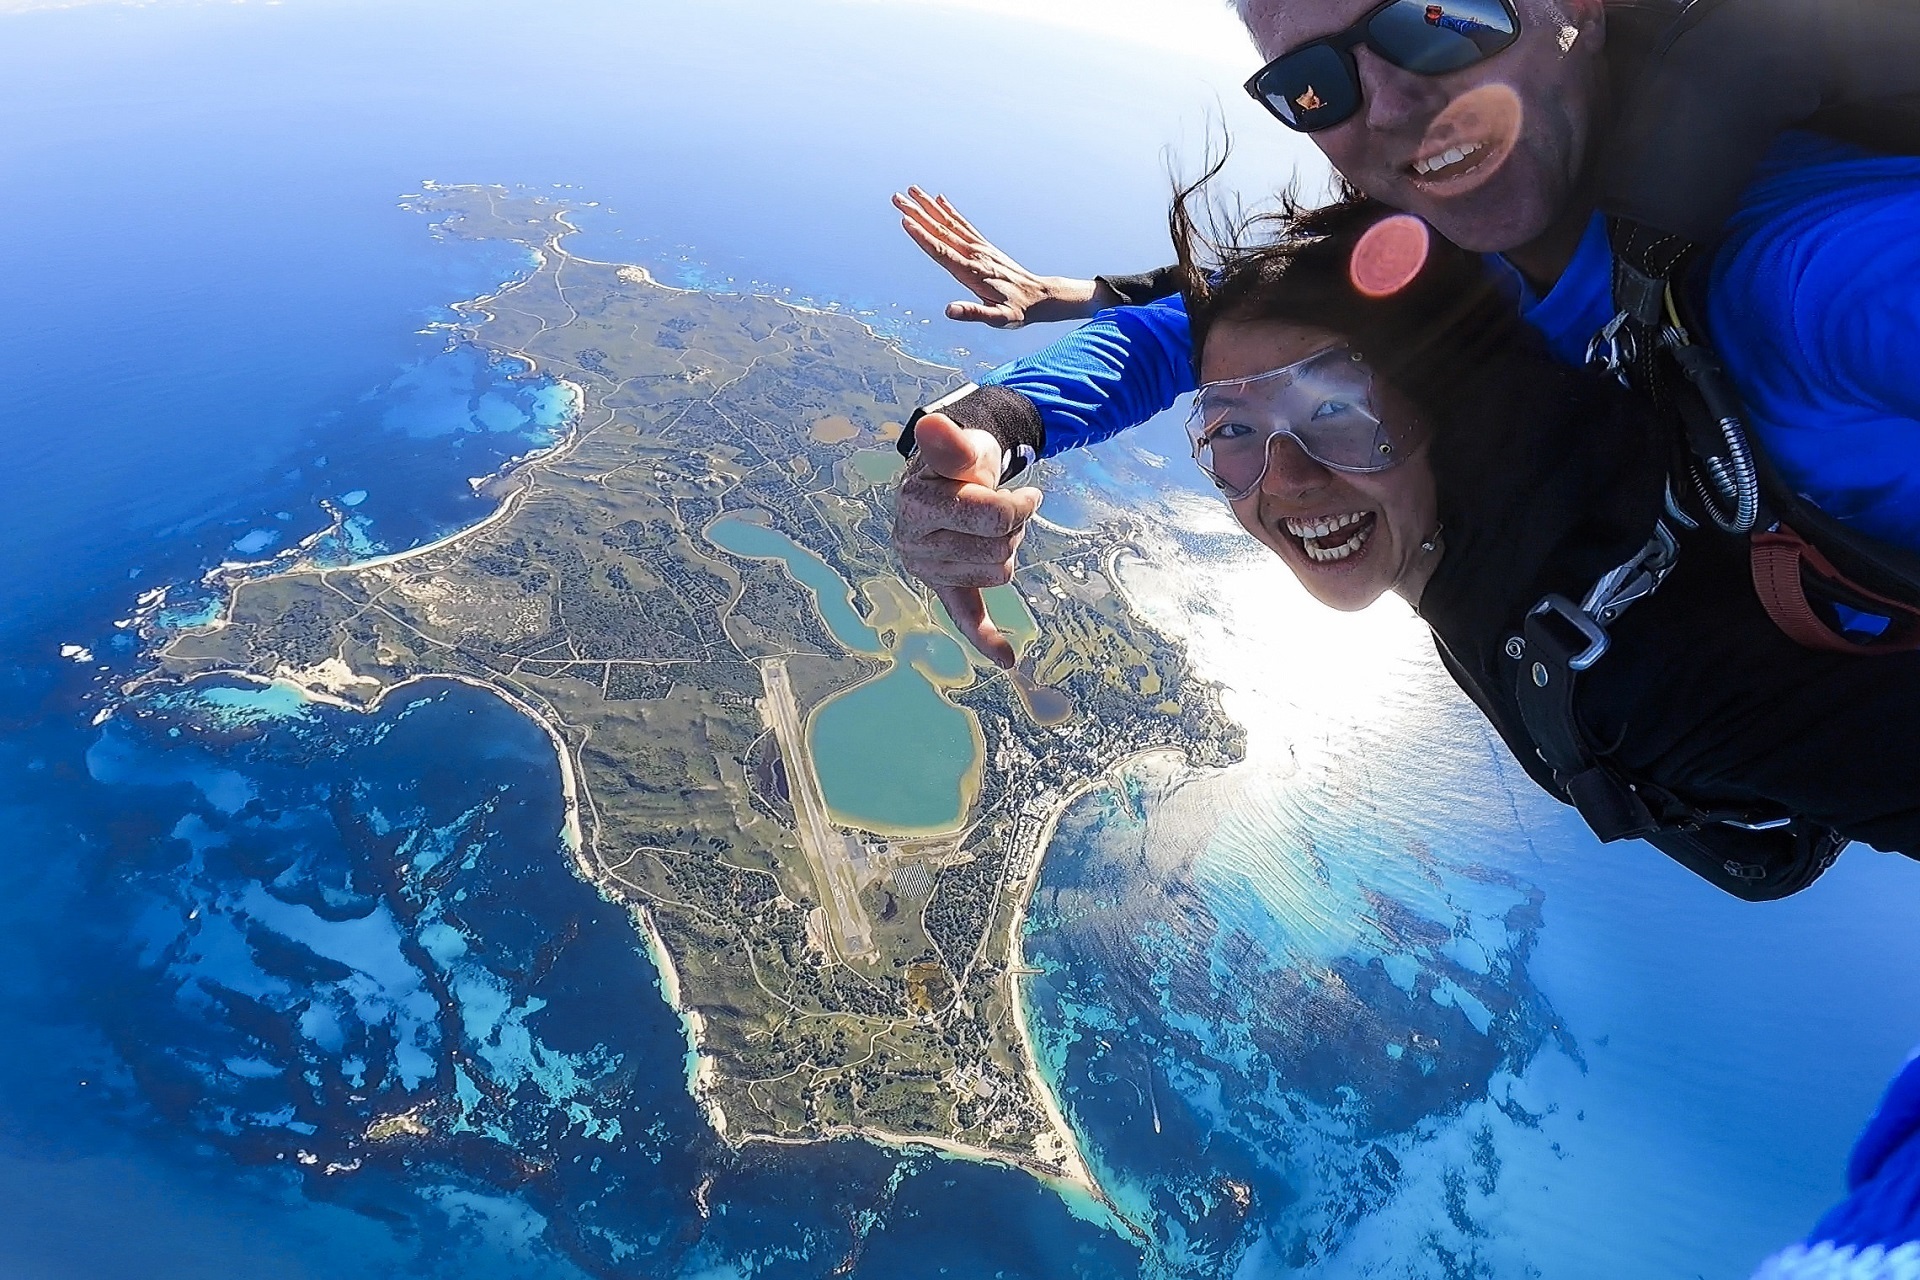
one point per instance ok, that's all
(1008, 295)
(955, 531)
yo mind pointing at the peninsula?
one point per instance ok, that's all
(764, 733)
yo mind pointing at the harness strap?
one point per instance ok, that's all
(1649, 347)
(1754, 855)
(1781, 561)
(1559, 640)
(1547, 683)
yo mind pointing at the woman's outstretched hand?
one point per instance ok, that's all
(1008, 295)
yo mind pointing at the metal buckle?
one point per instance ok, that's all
(1634, 580)
(1582, 622)
(1771, 824)
(1618, 342)
(1617, 588)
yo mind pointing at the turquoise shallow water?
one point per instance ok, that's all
(892, 754)
(303, 920)
(832, 595)
(937, 653)
(221, 305)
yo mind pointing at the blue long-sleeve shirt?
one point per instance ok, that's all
(1813, 300)
(1874, 1234)
(1113, 372)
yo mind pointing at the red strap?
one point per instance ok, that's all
(1779, 558)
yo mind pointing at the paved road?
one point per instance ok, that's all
(831, 853)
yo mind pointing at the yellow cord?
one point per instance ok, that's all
(1673, 314)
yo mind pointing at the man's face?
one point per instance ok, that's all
(1522, 120)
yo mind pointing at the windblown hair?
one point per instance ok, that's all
(1536, 464)
(1435, 339)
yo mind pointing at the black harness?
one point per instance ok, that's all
(1757, 855)
(1714, 87)
(1718, 479)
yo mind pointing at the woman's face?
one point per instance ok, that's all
(1348, 536)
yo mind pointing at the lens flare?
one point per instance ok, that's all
(1389, 255)
(1484, 125)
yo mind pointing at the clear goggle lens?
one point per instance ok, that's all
(1324, 404)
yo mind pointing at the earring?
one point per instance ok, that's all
(1433, 541)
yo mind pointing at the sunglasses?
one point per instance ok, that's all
(1317, 86)
(1323, 403)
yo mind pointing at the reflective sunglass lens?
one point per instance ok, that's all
(1312, 89)
(1433, 39)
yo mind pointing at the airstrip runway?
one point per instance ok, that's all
(831, 853)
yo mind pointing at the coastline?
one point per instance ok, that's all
(1067, 1171)
(1017, 968)
(1071, 1181)
(571, 832)
(1072, 1175)
(645, 275)
(701, 1067)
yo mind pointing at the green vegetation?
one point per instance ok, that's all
(596, 600)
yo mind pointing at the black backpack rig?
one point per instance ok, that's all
(1704, 86)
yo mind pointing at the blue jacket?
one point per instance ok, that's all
(1813, 300)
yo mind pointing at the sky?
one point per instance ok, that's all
(1198, 28)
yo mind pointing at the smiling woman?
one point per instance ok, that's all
(1326, 469)
(1421, 442)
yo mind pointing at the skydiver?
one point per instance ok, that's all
(1810, 298)
(1420, 440)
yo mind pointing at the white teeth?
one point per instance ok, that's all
(1452, 155)
(1319, 527)
(1326, 555)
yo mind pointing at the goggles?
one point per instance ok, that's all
(1323, 403)
(1317, 85)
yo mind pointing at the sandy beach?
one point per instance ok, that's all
(1081, 1175)
(1058, 1161)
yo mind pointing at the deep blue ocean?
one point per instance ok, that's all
(236, 927)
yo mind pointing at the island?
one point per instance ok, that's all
(824, 813)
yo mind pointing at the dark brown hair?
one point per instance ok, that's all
(1535, 463)
(1435, 339)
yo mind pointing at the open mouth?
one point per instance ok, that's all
(1328, 540)
(1468, 142)
(1456, 161)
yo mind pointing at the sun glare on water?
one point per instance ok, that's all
(1359, 748)
(1293, 668)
